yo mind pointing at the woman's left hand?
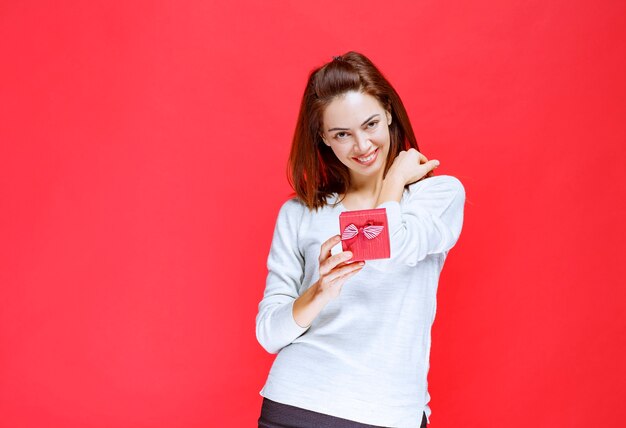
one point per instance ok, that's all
(411, 166)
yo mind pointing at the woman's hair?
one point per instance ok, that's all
(314, 171)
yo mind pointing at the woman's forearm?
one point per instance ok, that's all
(308, 306)
(392, 190)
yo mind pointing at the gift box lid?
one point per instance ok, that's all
(365, 233)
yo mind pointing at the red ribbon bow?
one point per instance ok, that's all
(370, 232)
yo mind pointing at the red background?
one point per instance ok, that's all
(142, 165)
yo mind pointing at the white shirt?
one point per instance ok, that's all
(365, 357)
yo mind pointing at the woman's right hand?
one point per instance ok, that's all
(335, 270)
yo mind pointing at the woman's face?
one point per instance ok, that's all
(356, 128)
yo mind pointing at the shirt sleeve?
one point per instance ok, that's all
(428, 221)
(275, 325)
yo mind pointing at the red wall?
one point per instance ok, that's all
(142, 164)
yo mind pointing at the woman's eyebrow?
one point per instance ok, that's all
(347, 129)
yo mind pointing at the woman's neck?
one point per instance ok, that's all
(362, 195)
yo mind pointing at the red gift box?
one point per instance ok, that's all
(365, 233)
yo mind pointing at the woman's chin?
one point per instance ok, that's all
(371, 171)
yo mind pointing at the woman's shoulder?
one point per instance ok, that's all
(292, 203)
(295, 205)
(292, 207)
(437, 182)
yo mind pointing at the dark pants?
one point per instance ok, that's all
(279, 415)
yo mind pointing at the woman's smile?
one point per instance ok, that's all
(368, 159)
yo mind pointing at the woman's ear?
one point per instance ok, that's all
(388, 117)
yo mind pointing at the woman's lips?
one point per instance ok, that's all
(369, 162)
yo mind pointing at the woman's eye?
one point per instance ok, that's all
(339, 134)
(375, 122)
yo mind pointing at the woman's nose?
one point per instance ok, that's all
(363, 143)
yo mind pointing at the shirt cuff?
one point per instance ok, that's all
(283, 317)
(394, 215)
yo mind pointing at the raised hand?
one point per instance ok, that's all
(411, 166)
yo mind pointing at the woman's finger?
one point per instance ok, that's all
(343, 278)
(432, 164)
(327, 246)
(332, 262)
(337, 273)
(430, 167)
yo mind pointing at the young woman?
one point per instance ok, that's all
(353, 338)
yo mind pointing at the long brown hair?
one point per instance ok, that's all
(314, 172)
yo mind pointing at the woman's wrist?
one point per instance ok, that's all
(392, 189)
(308, 306)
